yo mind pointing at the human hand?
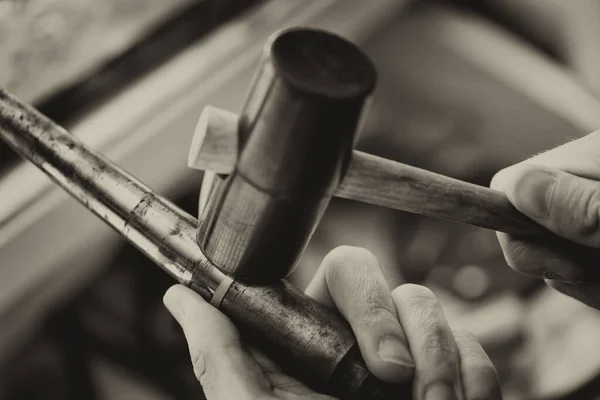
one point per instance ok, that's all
(399, 334)
(560, 190)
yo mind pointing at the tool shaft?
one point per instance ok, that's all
(304, 337)
(155, 226)
(380, 181)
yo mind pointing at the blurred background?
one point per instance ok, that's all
(466, 87)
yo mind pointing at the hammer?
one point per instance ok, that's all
(282, 160)
(310, 141)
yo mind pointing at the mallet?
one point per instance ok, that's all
(383, 182)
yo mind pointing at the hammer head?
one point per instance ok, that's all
(295, 138)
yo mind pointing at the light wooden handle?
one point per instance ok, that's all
(383, 182)
(215, 142)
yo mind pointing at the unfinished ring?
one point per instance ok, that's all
(221, 291)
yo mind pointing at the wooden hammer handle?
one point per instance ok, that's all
(380, 181)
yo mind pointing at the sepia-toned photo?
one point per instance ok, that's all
(299, 200)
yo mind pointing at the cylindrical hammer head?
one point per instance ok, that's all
(296, 135)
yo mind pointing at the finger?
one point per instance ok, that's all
(479, 377)
(587, 294)
(564, 203)
(544, 260)
(282, 384)
(221, 364)
(432, 344)
(317, 287)
(350, 278)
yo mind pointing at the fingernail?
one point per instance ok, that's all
(532, 191)
(392, 350)
(555, 276)
(440, 391)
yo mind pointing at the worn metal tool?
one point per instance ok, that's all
(309, 83)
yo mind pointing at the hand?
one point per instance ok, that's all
(559, 189)
(399, 333)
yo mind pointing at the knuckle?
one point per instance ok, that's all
(575, 205)
(199, 365)
(355, 269)
(540, 260)
(418, 302)
(516, 254)
(437, 341)
(479, 375)
(345, 256)
(434, 344)
(410, 291)
(592, 157)
(339, 261)
(377, 310)
(204, 357)
(589, 226)
(486, 373)
(520, 257)
(464, 335)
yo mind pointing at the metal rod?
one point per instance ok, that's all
(323, 354)
(158, 228)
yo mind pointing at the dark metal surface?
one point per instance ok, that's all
(292, 324)
(297, 131)
(159, 229)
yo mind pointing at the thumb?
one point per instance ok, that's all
(221, 364)
(350, 279)
(566, 204)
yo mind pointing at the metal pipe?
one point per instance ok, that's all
(158, 228)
